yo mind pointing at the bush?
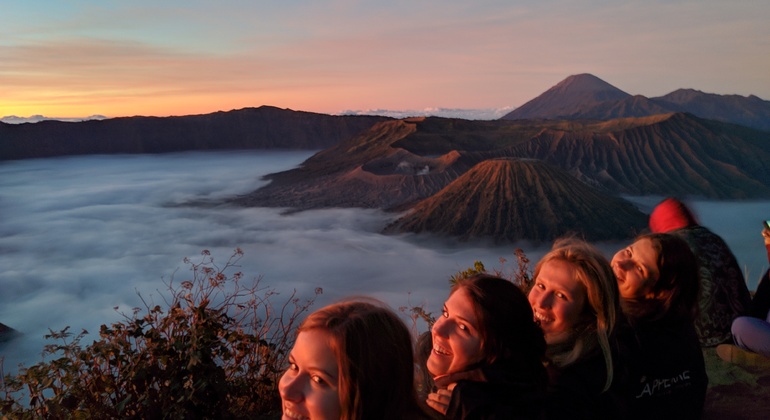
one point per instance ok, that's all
(216, 351)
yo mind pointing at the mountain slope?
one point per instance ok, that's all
(570, 96)
(585, 96)
(391, 166)
(249, 128)
(515, 199)
(396, 164)
(750, 111)
(671, 154)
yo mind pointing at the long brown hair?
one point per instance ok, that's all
(375, 358)
(675, 293)
(507, 328)
(602, 308)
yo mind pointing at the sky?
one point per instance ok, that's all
(158, 58)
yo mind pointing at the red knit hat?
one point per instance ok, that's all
(669, 215)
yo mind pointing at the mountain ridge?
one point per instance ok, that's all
(585, 96)
(248, 128)
(512, 199)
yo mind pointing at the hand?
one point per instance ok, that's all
(440, 399)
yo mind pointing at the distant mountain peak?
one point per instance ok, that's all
(587, 83)
(568, 97)
(587, 97)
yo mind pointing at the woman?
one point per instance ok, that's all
(351, 360)
(723, 291)
(574, 297)
(658, 281)
(487, 353)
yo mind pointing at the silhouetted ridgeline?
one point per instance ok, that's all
(250, 128)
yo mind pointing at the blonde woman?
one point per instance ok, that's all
(575, 300)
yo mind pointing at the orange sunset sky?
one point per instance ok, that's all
(124, 58)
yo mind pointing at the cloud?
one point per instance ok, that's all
(82, 235)
(468, 114)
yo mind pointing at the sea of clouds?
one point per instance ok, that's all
(464, 113)
(80, 236)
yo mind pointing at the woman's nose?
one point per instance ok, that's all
(438, 327)
(623, 264)
(289, 388)
(543, 300)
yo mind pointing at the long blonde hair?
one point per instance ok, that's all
(602, 307)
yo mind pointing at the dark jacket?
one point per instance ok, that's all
(724, 294)
(667, 371)
(577, 390)
(503, 393)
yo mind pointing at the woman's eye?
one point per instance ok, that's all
(561, 296)
(293, 366)
(317, 379)
(444, 313)
(540, 286)
(463, 327)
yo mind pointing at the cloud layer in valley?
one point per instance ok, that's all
(82, 235)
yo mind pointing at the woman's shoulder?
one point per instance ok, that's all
(586, 376)
(494, 399)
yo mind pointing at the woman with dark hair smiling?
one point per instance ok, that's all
(487, 353)
(658, 281)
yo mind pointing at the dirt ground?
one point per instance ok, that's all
(735, 392)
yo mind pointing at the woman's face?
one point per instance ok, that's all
(456, 336)
(309, 388)
(557, 300)
(636, 269)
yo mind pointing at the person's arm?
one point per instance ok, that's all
(766, 237)
(760, 303)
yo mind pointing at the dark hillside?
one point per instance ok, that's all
(515, 199)
(569, 97)
(250, 128)
(586, 97)
(750, 111)
(675, 154)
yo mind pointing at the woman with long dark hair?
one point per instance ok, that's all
(352, 360)
(658, 282)
(487, 352)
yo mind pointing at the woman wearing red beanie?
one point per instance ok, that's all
(724, 294)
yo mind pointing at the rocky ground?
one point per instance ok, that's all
(735, 392)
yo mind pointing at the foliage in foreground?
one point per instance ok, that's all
(217, 351)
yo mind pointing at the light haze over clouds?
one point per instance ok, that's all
(81, 235)
(79, 58)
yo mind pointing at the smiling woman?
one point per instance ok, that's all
(658, 280)
(351, 360)
(574, 298)
(486, 353)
